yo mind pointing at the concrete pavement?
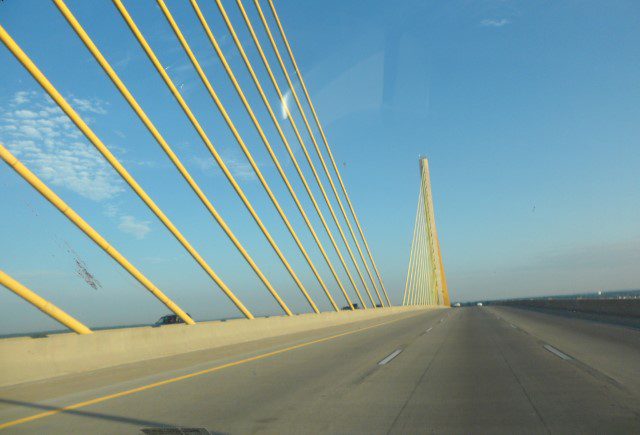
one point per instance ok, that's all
(467, 370)
(612, 350)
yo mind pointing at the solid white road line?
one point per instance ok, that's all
(391, 356)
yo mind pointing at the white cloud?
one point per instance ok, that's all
(492, 22)
(127, 223)
(90, 106)
(22, 97)
(130, 225)
(25, 114)
(205, 164)
(48, 144)
(29, 131)
(241, 170)
(111, 210)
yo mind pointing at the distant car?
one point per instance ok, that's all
(479, 304)
(457, 304)
(170, 319)
(347, 307)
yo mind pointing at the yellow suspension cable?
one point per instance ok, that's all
(322, 161)
(267, 145)
(304, 149)
(414, 273)
(427, 264)
(84, 128)
(423, 213)
(324, 166)
(328, 148)
(166, 148)
(54, 199)
(415, 276)
(411, 256)
(412, 262)
(174, 91)
(240, 140)
(426, 282)
(42, 304)
(274, 119)
(420, 264)
(406, 283)
(247, 153)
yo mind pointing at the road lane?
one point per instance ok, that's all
(68, 390)
(612, 351)
(490, 377)
(459, 371)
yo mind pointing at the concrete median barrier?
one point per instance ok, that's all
(27, 359)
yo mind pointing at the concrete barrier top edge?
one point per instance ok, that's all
(182, 328)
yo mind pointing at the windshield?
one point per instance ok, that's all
(301, 190)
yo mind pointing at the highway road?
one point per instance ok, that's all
(462, 370)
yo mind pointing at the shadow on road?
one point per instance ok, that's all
(101, 416)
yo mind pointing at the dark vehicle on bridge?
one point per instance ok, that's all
(170, 319)
(347, 307)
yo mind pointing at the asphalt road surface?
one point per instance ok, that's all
(462, 370)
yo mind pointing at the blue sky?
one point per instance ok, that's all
(527, 111)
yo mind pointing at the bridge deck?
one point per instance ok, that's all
(490, 370)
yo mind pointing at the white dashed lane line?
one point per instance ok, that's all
(389, 357)
(556, 352)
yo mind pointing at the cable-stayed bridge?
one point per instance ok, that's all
(367, 288)
(364, 366)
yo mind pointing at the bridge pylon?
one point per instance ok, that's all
(426, 283)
